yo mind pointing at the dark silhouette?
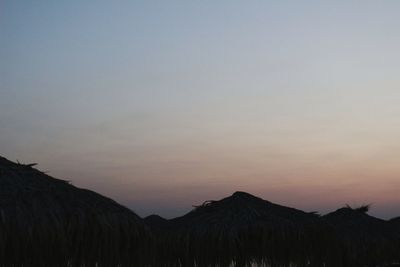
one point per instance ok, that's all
(156, 221)
(364, 240)
(48, 222)
(395, 222)
(241, 230)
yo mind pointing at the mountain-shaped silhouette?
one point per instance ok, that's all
(155, 221)
(364, 238)
(245, 229)
(395, 221)
(48, 222)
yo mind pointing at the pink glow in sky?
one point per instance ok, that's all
(161, 105)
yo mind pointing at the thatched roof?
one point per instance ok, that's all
(244, 229)
(395, 225)
(395, 221)
(155, 221)
(366, 240)
(48, 222)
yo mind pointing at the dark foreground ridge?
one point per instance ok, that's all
(48, 222)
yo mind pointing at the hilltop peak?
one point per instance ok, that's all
(246, 197)
(242, 194)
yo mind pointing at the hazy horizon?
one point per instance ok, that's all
(162, 105)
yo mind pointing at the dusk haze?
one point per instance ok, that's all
(162, 105)
(200, 133)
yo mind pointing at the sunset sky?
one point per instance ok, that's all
(161, 105)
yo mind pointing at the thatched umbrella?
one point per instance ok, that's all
(395, 222)
(155, 221)
(395, 225)
(241, 230)
(48, 222)
(365, 240)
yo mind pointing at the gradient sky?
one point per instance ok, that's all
(164, 104)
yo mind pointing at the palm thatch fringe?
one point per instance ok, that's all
(365, 240)
(48, 222)
(243, 230)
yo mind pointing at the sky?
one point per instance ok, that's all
(162, 105)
